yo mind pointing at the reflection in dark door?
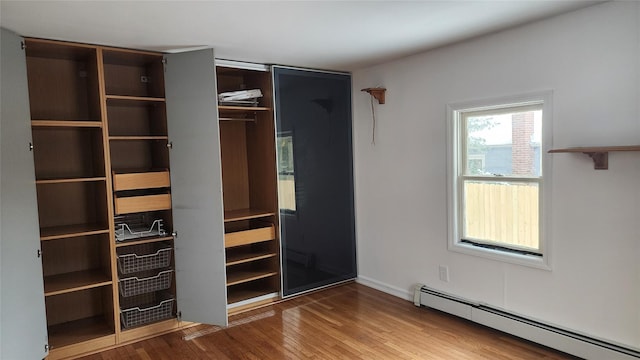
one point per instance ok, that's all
(315, 178)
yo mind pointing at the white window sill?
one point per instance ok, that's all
(538, 262)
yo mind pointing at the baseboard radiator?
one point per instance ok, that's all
(551, 336)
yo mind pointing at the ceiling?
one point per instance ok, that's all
(339, 35)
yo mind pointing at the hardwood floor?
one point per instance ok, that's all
(345, 322)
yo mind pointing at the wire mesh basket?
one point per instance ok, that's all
(136, 228)
(147, 313)
(134, 285)
(144, 258)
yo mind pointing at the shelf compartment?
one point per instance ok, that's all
(251, 290)
(144, 257)
(137, 204)
(139, 155)
(145, 309)
(128, 117)
(75, 281)
(239, 295)
(233, 79)
(249, 175)
(136, 285)
(240, 277)
(251, 253)
(249, 236)
(76, 263)
(93, 333)
(246, 214)
(80, 316)
(133, 74)
(146, 180)
(74, 206)
(63, 81)
(68, 152)
(70, 231)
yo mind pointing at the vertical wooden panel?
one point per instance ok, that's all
(235, 171)
(88, 252)
(262, 159)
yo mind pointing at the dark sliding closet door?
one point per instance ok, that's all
(315, 178)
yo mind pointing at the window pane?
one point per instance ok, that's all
(286, 175)
(503, 213)
(504, 143)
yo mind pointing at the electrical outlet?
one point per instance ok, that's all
(144, 79)
(443, 272)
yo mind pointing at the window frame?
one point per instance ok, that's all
(457, 136)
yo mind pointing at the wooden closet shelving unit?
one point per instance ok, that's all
(73, 195)
(247, 148)
(101, 154)
(98, 114)
(139, 159)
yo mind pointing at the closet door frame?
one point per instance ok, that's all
(352, 184)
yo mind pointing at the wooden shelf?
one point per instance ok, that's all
(134, 98)
(78, 331)
(143, 241)
(239, 277)
(246, 214)
(235, 296)
(63, 232)
(66, 123)
(249, 236)
(143, 203)
(75, 281)
(599, 154)
(70, 180)
(154, 329)
(236, 259)
(141, 180)
(147, 137)
(222, 108)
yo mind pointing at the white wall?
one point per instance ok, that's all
(591, 60)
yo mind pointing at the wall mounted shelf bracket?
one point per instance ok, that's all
(377, 93)
(599, 154)
(600, 160)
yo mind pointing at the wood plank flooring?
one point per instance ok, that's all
(345, 322)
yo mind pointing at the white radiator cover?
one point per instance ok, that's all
(545, 334)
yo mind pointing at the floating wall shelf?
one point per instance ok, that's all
(599, 154)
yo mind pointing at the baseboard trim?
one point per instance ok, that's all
(385, 288)
(553, 336)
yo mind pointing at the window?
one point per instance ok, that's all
(286, 174)
(497, 172)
